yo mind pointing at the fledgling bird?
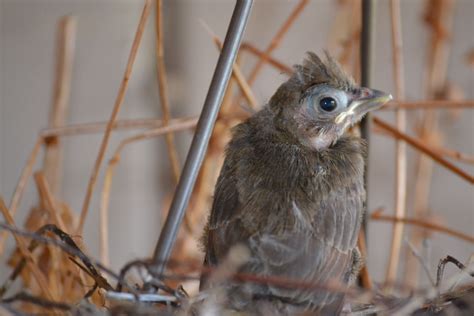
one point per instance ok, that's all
(291, 189)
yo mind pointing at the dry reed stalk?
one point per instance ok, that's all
(424, 224)
(164, 99)
(104, 213)
(427, 104)
(339, 34)
(66, 39)
(236, 72)
(401, 150)
(272, 61)
(445, 152)
(21, 244)
(183, 125)
(276, 40)
(345, 32)
(105, 195)
(163, 89)
(438, 16)
(63, 275)
(357, 27)
(114, 114)
(455, 154)
(366, 280)
(52, 163)
(421, 146)
(48, 200)
(20, 187)
(98, 127)
(470, 57)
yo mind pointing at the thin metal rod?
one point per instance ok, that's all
(366, 60)
(204, 129)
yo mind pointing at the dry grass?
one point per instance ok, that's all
(52, 262)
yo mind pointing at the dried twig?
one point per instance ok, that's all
(427, 104)
(88, 267)
(438, 17)
(236, 72)
(113, 116)
(64, 61)
(276, 40)
(446, 152)
(104, 213)
(98, 127)
(67, 244)
(37, 274)
(20, 188)
(424, 149)
(47, 197)
(422, 262)
(423, 223)
(267, 58)
(442, 265)
(163, 88)
(454, 154)
(27, 298)
(105, 196)
(401, 150)
(366, 280)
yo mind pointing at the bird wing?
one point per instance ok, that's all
(295, 252)
(300, 258)
(316, 246)
(224, 227)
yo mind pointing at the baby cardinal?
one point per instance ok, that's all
(291, 190)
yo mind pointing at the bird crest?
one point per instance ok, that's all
(315, 71)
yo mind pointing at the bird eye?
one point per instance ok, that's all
(328, 104)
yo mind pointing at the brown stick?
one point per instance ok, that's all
(187, 124)
(163, 89)
(20, 187)
(104, 213)
(427, 104)
(424, 149)
(446, 152)
(276, 40)
(365, 278)
(454, 154)
(401, 150)
(425, 224)
(266, 58)
(236, 72)
(438, 17)
(52, 165)
(105, 196)
(48, 199)
(113, 117)
(98, 127)
(37, 274)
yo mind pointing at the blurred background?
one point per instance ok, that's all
(143, 180)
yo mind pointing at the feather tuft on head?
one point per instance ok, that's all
(315, 71)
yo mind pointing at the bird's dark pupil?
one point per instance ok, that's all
(328, 104)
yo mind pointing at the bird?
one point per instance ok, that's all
(291, 189)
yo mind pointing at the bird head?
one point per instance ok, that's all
(320, 102)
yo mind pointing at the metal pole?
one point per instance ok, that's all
(366, 60)
(204, 129)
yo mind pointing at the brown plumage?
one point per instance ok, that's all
(291, 190)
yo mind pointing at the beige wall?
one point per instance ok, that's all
(105, 33)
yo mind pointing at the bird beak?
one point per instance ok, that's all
(366, 100)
